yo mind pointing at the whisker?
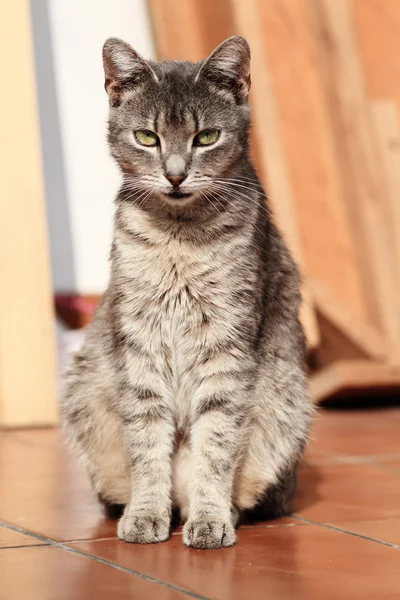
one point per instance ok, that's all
(220, 203)
(145, 198)
(240, 194)
(234, 184)
(137, 193)
(241, 188)
(203, 195)
(247, 180)
(252, 224)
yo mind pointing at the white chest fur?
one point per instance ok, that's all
(180, 299)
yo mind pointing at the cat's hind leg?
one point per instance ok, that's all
(275, 501)
(95, 432)
(112, 510)
(265, 481)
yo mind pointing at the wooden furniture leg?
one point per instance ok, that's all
(27, 349)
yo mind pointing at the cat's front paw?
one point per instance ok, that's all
(140, 529)
(209, 533)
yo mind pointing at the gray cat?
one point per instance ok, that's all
(190, 390)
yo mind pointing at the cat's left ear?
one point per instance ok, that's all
(123, 67)
(228, 67)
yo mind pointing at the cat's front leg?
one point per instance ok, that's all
(218, 430)
(149, 433)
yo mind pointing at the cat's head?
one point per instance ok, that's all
(177, 129)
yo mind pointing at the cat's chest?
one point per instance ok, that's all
(179, 302)
(181, 297)
(178, 279)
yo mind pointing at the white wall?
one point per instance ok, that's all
(80, 177)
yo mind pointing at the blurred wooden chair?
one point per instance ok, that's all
(326, 141)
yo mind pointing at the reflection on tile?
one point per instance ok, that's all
(44, 491)
(283, 522)
(355, 433)
(393, 464)
(46, 573)
(9, 538)
(350, 481)
(385, 530)
(287, 562)
(331, 493)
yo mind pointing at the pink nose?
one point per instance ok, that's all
(176, 180)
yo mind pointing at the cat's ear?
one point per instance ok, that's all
(123, 67)
(228, 67)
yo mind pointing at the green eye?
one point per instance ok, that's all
(206, 137)
(147, 138)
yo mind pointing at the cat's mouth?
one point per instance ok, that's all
(178, 195)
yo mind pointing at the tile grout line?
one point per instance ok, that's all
(390, 468)
(15, 439)
(353, 533)
(175, 533)
(350, 459)
(251, 527)
(115, 538)
(108, 563)
(43, 545)
(138, 574)
(37, 536)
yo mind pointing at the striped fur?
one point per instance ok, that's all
(190, 390)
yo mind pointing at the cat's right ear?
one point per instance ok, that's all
(123, 68)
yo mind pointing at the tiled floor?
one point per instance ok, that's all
(343, 541)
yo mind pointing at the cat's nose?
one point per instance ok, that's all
(176, 180)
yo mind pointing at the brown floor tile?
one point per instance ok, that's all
(284, 562)
(47, 492)
(54, 574)
(43, 489)
(393, 464)
(352, 480)
(385, 530)
(313, 454)
(9, 538)
(283, 522)
(45, 437)
(330, 493)
(355, 433)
